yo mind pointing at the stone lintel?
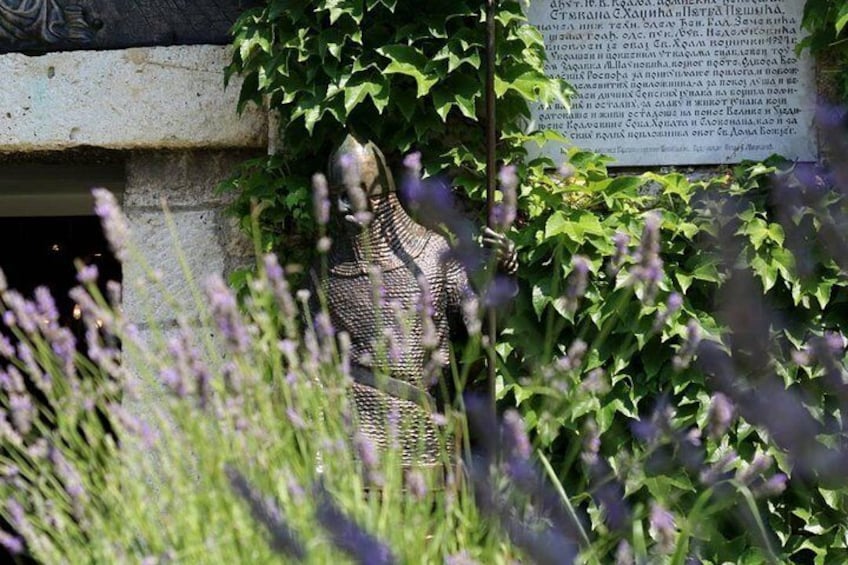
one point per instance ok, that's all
(138, 98)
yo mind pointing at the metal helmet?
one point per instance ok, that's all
(360, 163)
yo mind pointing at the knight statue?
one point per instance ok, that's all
(396, 362)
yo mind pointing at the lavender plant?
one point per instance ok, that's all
(227, 438)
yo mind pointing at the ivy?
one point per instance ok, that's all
(405, 75)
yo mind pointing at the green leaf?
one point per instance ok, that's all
(409, 61)
(358, 89)
(842, 18)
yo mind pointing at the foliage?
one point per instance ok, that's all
(617, 397)
(235, 441)
(825, 20)
(404, 75)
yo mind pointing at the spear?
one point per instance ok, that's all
(491, 140)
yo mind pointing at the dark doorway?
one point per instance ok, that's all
(46, 224)
(42, 251)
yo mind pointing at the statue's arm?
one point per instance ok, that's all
(504, 250)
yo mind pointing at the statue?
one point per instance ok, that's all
(31, 23)
(377, 242)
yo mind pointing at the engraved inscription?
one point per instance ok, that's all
(665, 82)
(27, 23)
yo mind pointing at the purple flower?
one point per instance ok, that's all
(17, 517)
(113, 221)
(720, 415)
(566, 171)
(516, 442)
(348, 536)
(672, 305)
(461, 558)
(25, 313)
(366, 451)
(690, 346)
(320, 199)
(12, 544)
(265, 511)
(71, 480)
(500, 291)
(772, 487)
(295, 419)
(624, 554)
(412, 163)
(279, 286)
(758, 466)
(591, 442)
(621, 241)
(718, 470)
(663, 527)
(6, 349)
(87, 274)
(578, 281)
(226, 314)
(415, 484)
(22, 412)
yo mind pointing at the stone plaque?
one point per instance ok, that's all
(680, 82)
(56, 25)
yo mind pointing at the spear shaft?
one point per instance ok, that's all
(491, 141)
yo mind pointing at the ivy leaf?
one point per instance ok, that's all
(411, 62)
(359, 88)
(460, 91)
(842, 19)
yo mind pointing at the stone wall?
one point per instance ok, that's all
(166, 113)
(208, 238)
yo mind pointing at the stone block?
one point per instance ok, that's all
(183, 178)
(146, 97)
(197, 236)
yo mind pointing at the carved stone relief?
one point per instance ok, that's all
(33, 23)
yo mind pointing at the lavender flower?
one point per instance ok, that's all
(566, 171)
(25, 314)
(415, 484)
(591, 442)
(662, 527)
(516, 442)
(17, 518)
(368, 456)
(461, 558)
(12, 544)
(71, 480)
(295, 419)
(503, 214)
(672, 305)
(22, 413)
(113, 221)
(758, 466)
(265, 511)
(577, 282)
(348, 536)
(772, 487)
(87, 274)
(624, 554)
(621, 241)
(412, 163)
(690, 346)
(720, 415)
(717, 470)
(226, 315)
(320, 199)
(279, 286)
(471, 314)
(6, 349)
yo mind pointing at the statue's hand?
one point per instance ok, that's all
(504, 250)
